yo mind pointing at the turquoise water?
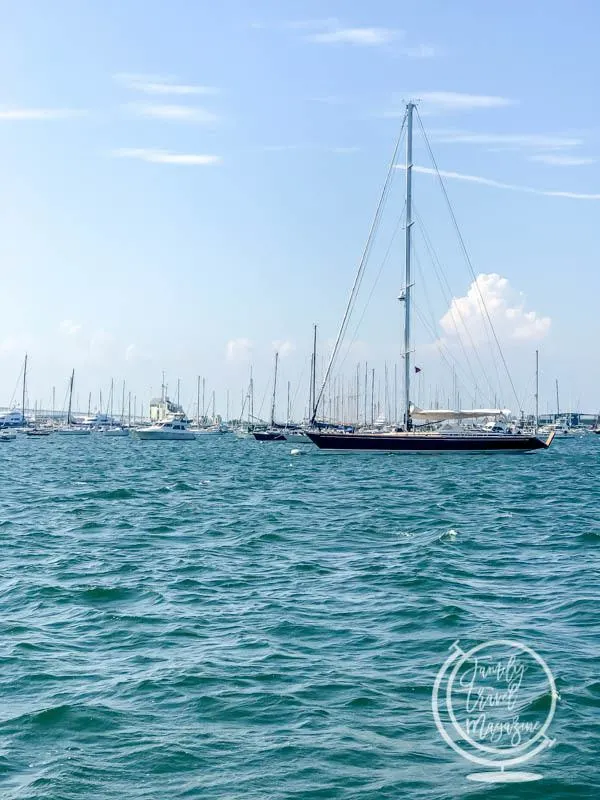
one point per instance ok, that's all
(220, 619)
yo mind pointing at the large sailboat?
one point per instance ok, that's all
(411, 436)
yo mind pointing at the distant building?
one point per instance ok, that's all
(161, 407)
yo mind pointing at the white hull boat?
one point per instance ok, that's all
(116, 432)
(73, 430)
(174, 429)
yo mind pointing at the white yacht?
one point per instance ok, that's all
(172, 428)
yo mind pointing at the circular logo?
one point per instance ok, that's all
(494, 704)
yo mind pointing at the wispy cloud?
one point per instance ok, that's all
(420, 51)
(238, 349)
(459, 176)
(506, 140)
(561, 161)
(174, 113)
(155, 84)
(344, 151)
(68, 327)
(38, 114)
(308, 24)
(284, 347)
(337, 149)
(459, 101)
(364, 37)
(166, 157)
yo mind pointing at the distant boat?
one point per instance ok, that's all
(209, 430)
(411, 437)
(173, 428)
(70, 429)
(116, 431)
(38, 432)
(5, 436)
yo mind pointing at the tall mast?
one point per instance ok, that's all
(110, 403)
(313, 410)
(203, 398)
(288, 404)
(198, 402)
(274, 390)
(407, 271)
(537, 389)
(123, 405)
(251, 393)
(70, 397)
(24, 389)
(357, 394)
(557, 401)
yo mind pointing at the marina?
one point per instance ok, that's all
(299, 401)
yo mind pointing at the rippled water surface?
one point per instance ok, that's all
(221, 619)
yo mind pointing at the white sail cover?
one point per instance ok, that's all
(441, 414)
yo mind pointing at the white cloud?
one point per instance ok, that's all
(70, 328)
(561, 161)
(506, 308)
(459, 176)
(508, 140)
(165, 157)
(366, 37)
(458, 101)
(238, 349)
(175, 113)
(38, 114)
(284, 347)
(154, 84)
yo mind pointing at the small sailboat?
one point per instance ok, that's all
(70, 428)
(112, 429)
(410, 437)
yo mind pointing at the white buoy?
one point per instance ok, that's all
(295, 452)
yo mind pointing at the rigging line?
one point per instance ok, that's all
(378, 276)
(447, 359)
(466, 254)
(443, 281)
(431, 327)
(362, 265)
(423, 285)
(479, 294)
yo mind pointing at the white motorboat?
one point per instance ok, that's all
(173, 428)
(5, 436)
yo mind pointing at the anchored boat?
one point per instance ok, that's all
(410, 437)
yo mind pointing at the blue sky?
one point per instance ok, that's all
(184, 184)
